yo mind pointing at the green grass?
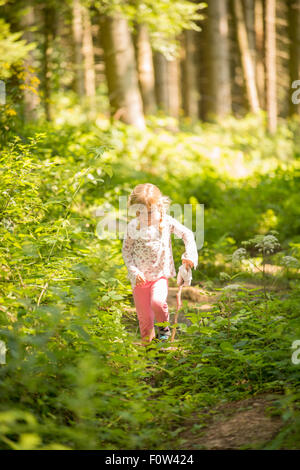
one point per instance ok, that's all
(73, 378)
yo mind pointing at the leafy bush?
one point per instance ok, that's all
(74, 378)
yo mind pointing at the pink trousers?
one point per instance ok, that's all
(150, 301)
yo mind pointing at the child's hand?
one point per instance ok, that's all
(140, 279)
(188, 263)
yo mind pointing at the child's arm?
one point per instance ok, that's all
(191, 252)
(127, 248)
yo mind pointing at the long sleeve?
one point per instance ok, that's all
(191, 252)
(127, 250)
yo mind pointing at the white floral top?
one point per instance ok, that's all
(149, 251)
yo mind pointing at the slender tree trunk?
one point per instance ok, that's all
(260, 55)
(49, 21)
(145, 69)
(294, 50)
(31, 98)
(167, 84)
(121, 74)
(249, 9)
(247, 61)
(78, 56)
(190, 94)
(161, 81)
(203, 62)
(174, 87)
(219, 61)
(271, 95)
(88, 55)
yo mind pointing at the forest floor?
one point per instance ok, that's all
(241, 424)
(234, 425)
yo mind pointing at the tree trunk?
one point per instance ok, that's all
(249, 9)
(190, 94)
(167, 84)
(294, 50)
(78, 56)
(260, 54)
(31, 98)
(161, 81)
(88, 54)
(247, 61)
(174, 87)
(145, 69)
(270, 38)
(202, 64)
(121, 74)
(49, 21)
(219, 62)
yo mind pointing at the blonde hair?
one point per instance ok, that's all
(148, 194)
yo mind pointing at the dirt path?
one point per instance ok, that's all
(241, 424)
(198, 299)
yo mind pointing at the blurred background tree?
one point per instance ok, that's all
(179, 57)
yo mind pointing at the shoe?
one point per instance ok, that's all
(164, 333)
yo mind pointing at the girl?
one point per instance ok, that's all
(147, 253)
